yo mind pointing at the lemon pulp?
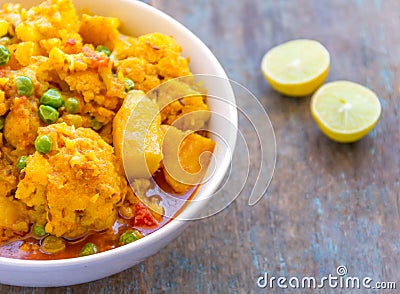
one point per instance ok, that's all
(345, 111)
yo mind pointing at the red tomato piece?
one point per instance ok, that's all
(143, 217)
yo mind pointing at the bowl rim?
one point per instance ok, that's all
(173, 224)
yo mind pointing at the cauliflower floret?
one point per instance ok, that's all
(21, 123)
(87, 83)
(69, 42)
(78, 185)
(150, 59)
(182, 104)
(88, 74)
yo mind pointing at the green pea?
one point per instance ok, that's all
(52, 244)
(95, 124)
(24, 86)
(43, 144)
(52, 97)
(88, 249)
(129, 84)
(5, 55)
(103, 49)
(71, 105)
(129, 237)
(48, 114)
(2, 119)
(38, 230)
(21, 163)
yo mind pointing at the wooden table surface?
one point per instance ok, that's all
(328, 204)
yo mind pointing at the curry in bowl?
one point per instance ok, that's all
(68, 88)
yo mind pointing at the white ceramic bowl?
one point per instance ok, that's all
(137, 18)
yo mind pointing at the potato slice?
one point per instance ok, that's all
(13, 215)
(137, 135)
(25, 50)
(186, 156)
(99, 30)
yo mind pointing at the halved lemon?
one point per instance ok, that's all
(345, 111)
(296, 68)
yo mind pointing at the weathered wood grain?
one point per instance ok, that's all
(328, 204)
